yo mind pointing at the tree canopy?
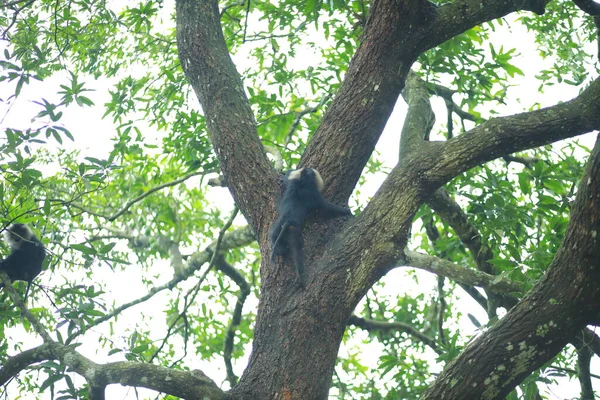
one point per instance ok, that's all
(145, 144)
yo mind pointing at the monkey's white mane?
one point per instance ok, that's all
(295, 174)
(14, 240)
(318, 180)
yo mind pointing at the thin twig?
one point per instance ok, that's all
(239, 237)
(150, 191)
(194, 291)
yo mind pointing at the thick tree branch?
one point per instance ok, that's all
(184, 384)
(419, 118)
(382, 326)
(505, 135)
(537, 328)
(455, 18)
(206, 62)
(461, 274)
(395, 34)
(345, 140)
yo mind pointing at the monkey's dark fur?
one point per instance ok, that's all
(24, 262)
(301, 195)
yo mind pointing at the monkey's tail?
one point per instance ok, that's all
(295, 239)
(284, 228)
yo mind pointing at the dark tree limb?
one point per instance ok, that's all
(184, 384)
(455, 18)
(382, 326)
(584, 357)
(537, 328)
(588, 339)
(478, 297)
(236, 318)
(588, 6)
(97, 392)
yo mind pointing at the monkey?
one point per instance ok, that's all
(24, 262)
(301, 194)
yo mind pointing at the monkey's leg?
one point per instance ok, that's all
(26, 292)
(275, 248)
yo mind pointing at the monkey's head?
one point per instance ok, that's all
(16, 234)
(307, 176)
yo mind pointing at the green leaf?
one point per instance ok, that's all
(83, 248)
(52, 379)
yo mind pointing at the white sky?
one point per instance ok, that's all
(93, 135)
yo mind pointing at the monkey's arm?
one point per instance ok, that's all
(334, 209)
(13, 263)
